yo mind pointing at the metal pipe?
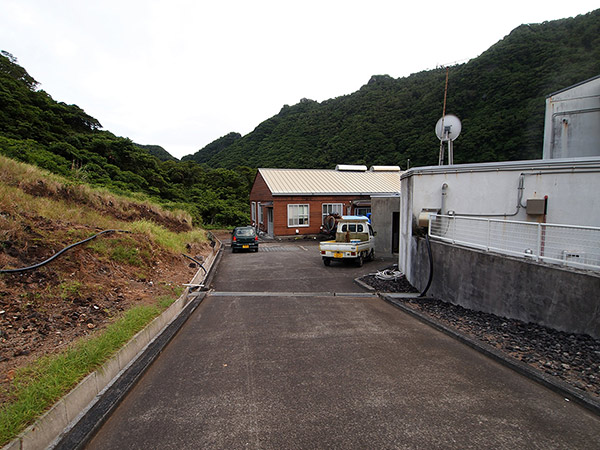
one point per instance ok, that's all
(430, 266)
(444, 193)
(197, 262)
(56, 255)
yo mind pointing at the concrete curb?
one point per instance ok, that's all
(60, 425)
(524, 369)
(92, 418)
(364, 285)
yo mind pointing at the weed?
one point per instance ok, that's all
(70, 289)
(165, 301)
(126, 255)
(100, 246)
(165, 238)
(36, 387)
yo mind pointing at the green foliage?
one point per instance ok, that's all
(127, 255)
(499, 96)
(38, 386)
(213, 148)
(65, 140)
(158, 151)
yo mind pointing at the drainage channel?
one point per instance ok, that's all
(293, 294)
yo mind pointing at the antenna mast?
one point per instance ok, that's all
(450, 155)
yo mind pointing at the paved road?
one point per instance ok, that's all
(319, 371)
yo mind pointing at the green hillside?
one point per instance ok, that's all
(36, 129)
(214, 148)
(499, 96)
(158, 151)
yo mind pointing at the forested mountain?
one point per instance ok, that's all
(214, 148)
(499, 96)
(63, 139)
(158, 151)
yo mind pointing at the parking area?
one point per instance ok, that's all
(287, 353)
(289, 267)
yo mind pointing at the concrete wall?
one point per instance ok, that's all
(491, 190)
(382, 215)
(562, 299)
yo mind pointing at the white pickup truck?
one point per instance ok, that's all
(353, 240)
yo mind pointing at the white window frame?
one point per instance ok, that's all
(325, 212)
(253, 211)
(260, 213)
(293, 215)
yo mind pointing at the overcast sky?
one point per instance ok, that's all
(182, 73)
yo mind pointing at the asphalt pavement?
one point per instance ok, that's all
(286, 353)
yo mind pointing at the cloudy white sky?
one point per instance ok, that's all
(182, 73)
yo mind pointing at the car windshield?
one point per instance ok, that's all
(244, 232)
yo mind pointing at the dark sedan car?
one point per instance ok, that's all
(244, 238)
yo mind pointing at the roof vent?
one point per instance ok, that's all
(350, 168)
(385, 169)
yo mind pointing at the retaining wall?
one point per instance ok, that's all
(545, 294)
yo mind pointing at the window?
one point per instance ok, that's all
(362, 211)
(246, 231)
(297, 215)
(260, 215)
(253, 211)
(352, 228)
(332, 208)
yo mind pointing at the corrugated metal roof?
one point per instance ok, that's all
(330, 182)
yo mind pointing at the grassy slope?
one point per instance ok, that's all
(60, 322)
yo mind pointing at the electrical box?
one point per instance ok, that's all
(423, 219)
(536, 206)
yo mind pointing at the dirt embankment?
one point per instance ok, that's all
(44, 310)
(119, 208)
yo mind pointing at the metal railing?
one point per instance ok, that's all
(568, 245)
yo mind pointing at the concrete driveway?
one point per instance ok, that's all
(295, 370)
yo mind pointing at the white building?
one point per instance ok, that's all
(495, 250)
(572, 125)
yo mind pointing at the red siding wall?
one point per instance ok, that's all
(261, 193)
(315, 208)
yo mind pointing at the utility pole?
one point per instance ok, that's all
(450, 156)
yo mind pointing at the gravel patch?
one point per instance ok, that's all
(572, 358)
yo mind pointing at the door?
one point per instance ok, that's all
(270, 221)
(396, 232)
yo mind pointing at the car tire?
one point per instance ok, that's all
(327, 261)
(359, 260)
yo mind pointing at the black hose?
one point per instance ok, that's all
(430, 266)
(197, 262)
(56, 255)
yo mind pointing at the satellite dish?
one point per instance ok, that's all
(451, 128)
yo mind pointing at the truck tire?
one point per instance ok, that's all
(326, 261)
(359, 260)
(372, 255)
